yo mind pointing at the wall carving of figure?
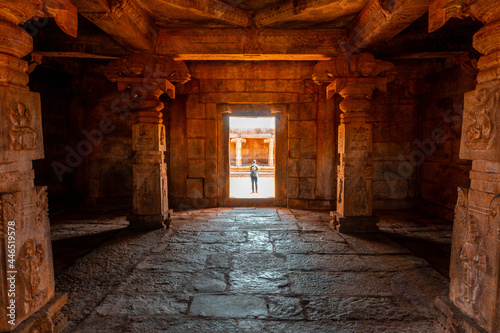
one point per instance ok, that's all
(23, 136)
(360, 138)
(30, 260)
(474, 265)
(480, 131)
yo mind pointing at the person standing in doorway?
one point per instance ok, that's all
(254, 175)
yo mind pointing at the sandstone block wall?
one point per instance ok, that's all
(440, 111)
(395, 128)
(311, 130)
(105, 175)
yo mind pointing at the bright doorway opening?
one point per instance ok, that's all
(252, 139)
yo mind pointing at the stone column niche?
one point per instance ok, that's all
(146, 77)
(27, 298)
(473, 304)
(354, 79)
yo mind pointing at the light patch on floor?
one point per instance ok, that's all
(241, 187)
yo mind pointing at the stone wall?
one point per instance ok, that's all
(105, 175)
(311, 129)
(395, 128)
(440, 112)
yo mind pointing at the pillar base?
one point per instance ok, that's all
(350, 225)
(48, 319)
(453, 320)
(150, 222)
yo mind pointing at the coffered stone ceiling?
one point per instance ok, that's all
(292, 30)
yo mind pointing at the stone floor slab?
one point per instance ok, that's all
(228, 306)
(255, 270)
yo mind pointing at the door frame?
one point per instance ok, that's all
(224, 112)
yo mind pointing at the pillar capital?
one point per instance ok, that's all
(360, 68)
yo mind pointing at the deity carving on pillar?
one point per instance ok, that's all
(480, 130)
(22, 134)
(30, 262)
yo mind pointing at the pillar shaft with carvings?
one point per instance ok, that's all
(473, 304)
(355, 81)
(29, 303)
(147, 77)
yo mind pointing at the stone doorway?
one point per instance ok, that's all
(251, 139)
(268, 147)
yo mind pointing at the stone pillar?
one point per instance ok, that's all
(27, 297)
(355, 82)
(271, 151)
(239, 154)
(150, 189)
(150, 201)
(473, 303)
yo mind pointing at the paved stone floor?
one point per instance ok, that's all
(251, 270)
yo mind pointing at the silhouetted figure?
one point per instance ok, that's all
(254, 175)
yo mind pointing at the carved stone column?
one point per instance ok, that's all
(146, 77)
(27, 298)
(239, 154)
(355, 82)
(473, 304)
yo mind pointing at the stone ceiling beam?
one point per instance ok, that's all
(214, 9)
(379, 21)
(304, 10)
(123, 20)
(244, 44)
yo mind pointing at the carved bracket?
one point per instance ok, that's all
(362, 65)
(138, 65)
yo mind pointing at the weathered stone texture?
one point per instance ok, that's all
(441, 169)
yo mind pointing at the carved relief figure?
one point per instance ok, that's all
(144, 193)
(360, 139)
(495, 215)
(23, 136)
(480, 131)
(473, 259)
(162, 136)
(42, 206)
(461, 207)
(360, 197)
(341, 189)
(30, 260)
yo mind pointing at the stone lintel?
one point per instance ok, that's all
(234, 44)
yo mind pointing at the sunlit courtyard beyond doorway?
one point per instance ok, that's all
(252, 139)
